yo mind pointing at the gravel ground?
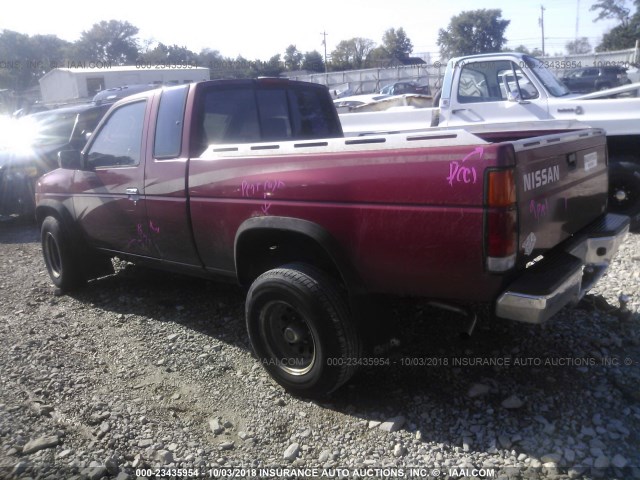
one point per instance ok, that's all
(146, 371)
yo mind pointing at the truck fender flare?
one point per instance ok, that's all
(61, 211)
(64, 215)
(311, 230)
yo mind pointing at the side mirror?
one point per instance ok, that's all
(70, 159)
(514, 96)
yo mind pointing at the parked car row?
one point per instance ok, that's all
(31, 148)
(401, 88)
(346, 104)
(591, 79)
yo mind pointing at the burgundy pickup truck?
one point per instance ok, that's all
(253, 181)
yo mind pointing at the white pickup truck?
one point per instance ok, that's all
(480, 91)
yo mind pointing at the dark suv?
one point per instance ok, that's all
(590, 79)
(42, 135)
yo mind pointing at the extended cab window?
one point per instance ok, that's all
(254, 112)
(313, 116)
(119, 141)
(168, 137)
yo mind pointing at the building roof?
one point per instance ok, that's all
(107, 67)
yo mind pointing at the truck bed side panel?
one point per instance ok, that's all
(400, 207)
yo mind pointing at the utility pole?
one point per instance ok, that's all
(324, 42)
(541, 22)
(577, 21)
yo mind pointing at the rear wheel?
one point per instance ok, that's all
(62, 264)
(624, 190)
(301, 330)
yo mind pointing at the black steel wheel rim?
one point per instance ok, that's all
(54, 259)
(289, 340)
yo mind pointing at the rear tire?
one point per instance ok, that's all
(301, 330)
(624, 191)
(59, 256)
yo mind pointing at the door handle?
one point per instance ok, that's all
(577, 110)
(133, 194)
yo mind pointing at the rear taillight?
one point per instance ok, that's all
(501, 224)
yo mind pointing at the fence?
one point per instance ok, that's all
(373, 79)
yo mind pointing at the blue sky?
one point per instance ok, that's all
(260, 29)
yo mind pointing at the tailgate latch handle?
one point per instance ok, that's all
(572, 160)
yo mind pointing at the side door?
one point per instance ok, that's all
(495, 91)
(109, 202)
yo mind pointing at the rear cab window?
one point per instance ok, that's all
(255, 111)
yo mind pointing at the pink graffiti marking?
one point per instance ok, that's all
(539, 209)
(250, 189)
(459, 173)
(266, 188)
(143, 239)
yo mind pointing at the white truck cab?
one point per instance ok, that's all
(481, 90)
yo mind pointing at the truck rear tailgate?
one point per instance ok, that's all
(561, 187)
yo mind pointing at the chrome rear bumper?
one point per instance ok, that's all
(565, 275)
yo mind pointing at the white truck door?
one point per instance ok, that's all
(490, 91)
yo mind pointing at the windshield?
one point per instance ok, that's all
(548, 79)
(46, 128)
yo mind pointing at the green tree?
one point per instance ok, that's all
(396, 43)
(25, 59)
(112, 41)
(292, 58)
(626, 33)
(621, 37)
(579, 46)
(473, 32)
(313, 62)
(172, 54)
(351, 54)
(212, 60)
(378, 58)
(271, 68)
(611, 9)
(15, 53)
(520, 49)
(50, 50)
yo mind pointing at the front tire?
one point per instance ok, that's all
(301, 330)
(62, 263)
